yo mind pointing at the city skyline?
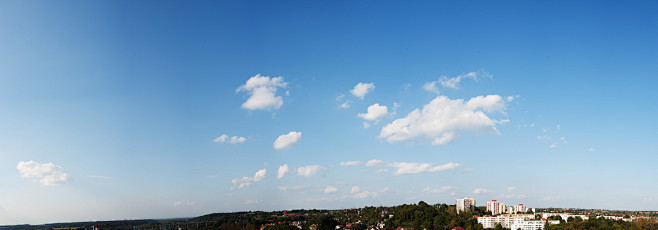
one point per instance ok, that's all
(132, 110)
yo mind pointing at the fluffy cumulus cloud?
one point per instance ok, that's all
(262, 92)
(283, 170)
(373, 162)
(443, 118)
(375, 112)
(330, 189)
(415, 168)
(480, 191)
(246, 181)
(226, 139)
(287, 140)
(308, 171)
(360, 90)
(49, 173)
(350, 163)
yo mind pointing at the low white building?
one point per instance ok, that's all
(565, 216)
(491, 221)
(532, 224)
(529, 225)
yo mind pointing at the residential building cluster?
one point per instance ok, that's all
(513, 217)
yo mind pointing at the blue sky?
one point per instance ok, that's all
(117, 109)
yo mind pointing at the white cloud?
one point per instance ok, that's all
(374, 112)
(431, 87)
(489, 103)
(365, 194)
(233, 140)
(287, 140)
(181, 203)
(590, 149)
(286, 188)
(262, 92)
(355, 189)
(330, 189)
(236, 139)
(511, 98)
(415, 168)
(453, 193)
(554, 145)
(221, 139)
(366, 125)
(564, 140)
(350, 163)
(557, 127)
(49, 173)
(309, 171)
(511, 188)
(373, 162)
(443, 118)
(251, 201)
(543, 137)
(344, 105)
(441, 190)
(360, 90)
(246, 181)
(445, 138)
(283, 170)
(480, 190)
(454, 82)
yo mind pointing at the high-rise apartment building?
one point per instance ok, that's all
(465, 204)
(495, 207)
(502, 208)
(492, 206)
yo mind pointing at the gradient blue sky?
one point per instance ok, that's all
(113, 106)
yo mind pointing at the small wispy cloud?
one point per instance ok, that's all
(436, 190)
(224, 138)
(415, 167)
(250, 201)
(350, 163)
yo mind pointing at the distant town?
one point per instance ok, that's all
(464, 214)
